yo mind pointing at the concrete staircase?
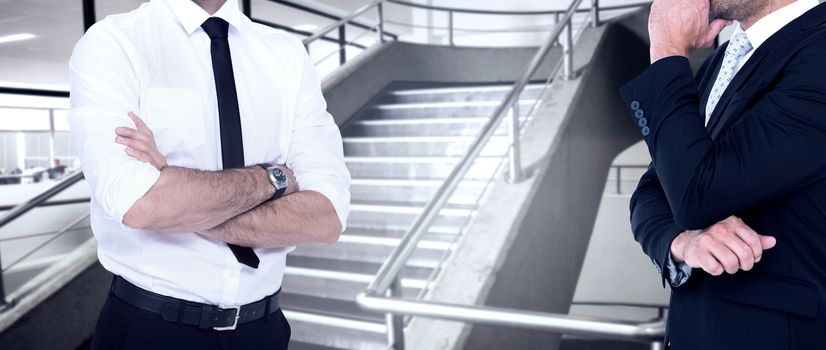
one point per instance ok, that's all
(399, 149)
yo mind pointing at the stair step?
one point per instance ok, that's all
(420, 146)
(339, 285)
(435, 234)
(422, 127)
(377, 254)
(343, 309)
(335, 332)
(400, 217)
(419, 168)
(458, 94)
(343, 279)
(467, 193)
(440, 109)
(358, 267)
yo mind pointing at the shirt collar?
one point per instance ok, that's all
(764, 28)
(192, 16)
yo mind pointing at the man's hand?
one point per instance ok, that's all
(730, 245)
(140, 143)
(678, 27)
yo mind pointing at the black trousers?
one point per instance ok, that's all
(124, 327)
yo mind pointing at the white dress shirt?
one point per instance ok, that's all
(156, 62)
(758, 33)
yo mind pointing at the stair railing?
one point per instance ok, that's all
(384, 292)
(40, 200)
(381, 23)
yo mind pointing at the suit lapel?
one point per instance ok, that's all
(719, 118)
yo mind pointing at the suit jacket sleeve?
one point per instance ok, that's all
(653, 223)
(773, 150)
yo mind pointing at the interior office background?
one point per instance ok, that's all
(36, 149)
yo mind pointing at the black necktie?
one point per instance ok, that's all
(232, 145)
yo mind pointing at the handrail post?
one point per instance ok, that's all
(514, 154)
(381, 22)
(568, 52)
(342, 45)
(558, 40)
(657, 346)
(619, 179)
(594, 13)
(3, 302)
(395, 323)
(450, 27)
(52, 154)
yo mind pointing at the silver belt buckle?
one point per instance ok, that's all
(237, 309)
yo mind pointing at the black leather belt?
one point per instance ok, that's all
(220, 318)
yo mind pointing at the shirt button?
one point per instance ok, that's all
(642, 122)
(639, 114)
(635, 105)
(645, 131)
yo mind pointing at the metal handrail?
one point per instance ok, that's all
(41, 198)
(513, 13)
(326, 15)
(58, 234)
(382, 294)
(343, 21)
(379, 3)
(35, 202)
(393, 265)
(648, 331)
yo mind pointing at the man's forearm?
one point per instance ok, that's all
(187, 200)
(302, 217)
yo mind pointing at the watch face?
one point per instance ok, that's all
(280, 178)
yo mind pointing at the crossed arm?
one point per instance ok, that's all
(229, 205)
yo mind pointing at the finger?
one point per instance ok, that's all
(138, 155)
(125, 132)
(768, 242)
(714, 29)
(138, 122)
(724, 255)
(709, 264)
(140, 135)
(750, 237)
(745, 255)
(133, 143)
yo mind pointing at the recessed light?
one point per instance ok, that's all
(306, 27)
(16, 37)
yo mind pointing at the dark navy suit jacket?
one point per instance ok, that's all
(763, 158)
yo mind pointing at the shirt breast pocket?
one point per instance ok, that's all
(176, 118)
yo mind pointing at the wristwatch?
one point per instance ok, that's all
(277, 177)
